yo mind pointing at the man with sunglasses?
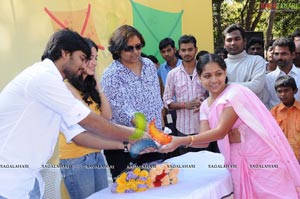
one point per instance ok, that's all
(131, 85)
(36, 105)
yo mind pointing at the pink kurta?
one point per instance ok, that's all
(263, 165)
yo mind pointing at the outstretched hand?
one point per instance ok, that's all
(142, 146)
(150, 149)
(174, 144)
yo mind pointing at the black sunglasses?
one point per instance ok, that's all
(131, 48)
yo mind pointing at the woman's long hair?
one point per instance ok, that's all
(88, 86)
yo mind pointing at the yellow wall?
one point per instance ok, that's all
(25, 27)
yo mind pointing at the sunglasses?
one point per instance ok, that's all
(131, 48)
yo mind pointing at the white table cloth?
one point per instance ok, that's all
(203, 178)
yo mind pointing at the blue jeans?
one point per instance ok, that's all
(34, 193)
(85, 175)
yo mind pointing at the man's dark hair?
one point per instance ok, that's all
(165, 42)
(184, 39)
(65, 39)
(254, 40)
(234, 27)
(285, 42)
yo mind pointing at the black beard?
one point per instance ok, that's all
(69, 75)
(282, 63)
(76, 81)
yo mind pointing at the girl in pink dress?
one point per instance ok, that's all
(262, 162)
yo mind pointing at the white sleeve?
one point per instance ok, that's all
(53, 93)
(203, 116)
(203, 110)
(71, 131)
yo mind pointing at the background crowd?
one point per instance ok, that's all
(175, 93)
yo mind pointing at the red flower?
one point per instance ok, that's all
(161, 176)
(157, 183)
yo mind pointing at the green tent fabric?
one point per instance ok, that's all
(156, 25)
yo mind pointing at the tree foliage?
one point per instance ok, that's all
(274, 18)
(287, 19)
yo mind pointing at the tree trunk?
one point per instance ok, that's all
(269, 35)
(219, 42)
(248, 20)
(257, 18)
(243, 22)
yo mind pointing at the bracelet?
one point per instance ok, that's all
(126, 147)
(138, 134)
(192, 141)
(182, 105)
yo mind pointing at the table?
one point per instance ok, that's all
(203, 178)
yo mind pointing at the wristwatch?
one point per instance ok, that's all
(126, 147)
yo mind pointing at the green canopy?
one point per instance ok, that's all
(156, 25)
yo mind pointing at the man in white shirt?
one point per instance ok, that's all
(36, 105)
(283, 53)
(244, 69)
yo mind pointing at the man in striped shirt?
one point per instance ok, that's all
(183, 90)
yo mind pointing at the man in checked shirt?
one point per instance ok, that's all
(185, 93)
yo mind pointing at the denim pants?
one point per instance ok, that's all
(35, 192)
(85, 175)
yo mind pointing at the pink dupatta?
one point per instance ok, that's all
(257, 117)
